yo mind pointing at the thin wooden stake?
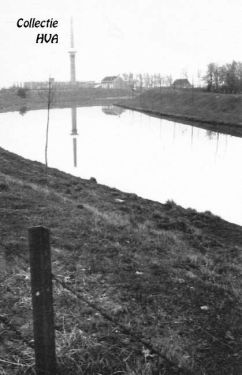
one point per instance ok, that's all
(42, 300)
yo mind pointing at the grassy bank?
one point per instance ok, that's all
(37, 99)
(171, 276)
(217, 112)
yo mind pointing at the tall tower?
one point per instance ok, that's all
(72, 54)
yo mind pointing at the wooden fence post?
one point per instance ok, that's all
(42, 300)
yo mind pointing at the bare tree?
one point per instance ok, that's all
(131, 84)
(158, 80)
(50, 98)
(211, 76)
(192, 89)
(141, 82)
(199, 76)
(169, 80)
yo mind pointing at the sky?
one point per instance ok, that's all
(117, 36)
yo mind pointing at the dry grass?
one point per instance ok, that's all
(172, 276)
(193, 105)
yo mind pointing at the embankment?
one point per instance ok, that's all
(171, 275)
(213, 111)
(38, 99)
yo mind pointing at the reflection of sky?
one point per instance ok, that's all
(154, 158)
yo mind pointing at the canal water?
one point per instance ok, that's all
(154, 158)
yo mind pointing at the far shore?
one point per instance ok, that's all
(220, 113)
(38, 99)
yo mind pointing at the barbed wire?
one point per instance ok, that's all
(124, 329)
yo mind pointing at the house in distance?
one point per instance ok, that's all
(113, 82)
(181, 83)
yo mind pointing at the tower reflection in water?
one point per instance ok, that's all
(74, 134)
(108, 110)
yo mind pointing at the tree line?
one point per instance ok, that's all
(225, 78)
(147, 80)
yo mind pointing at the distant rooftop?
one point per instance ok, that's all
(109, 79)
(181, 81)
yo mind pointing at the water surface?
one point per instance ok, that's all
(154, 158)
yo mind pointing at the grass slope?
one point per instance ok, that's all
(171, 275)
(37, 99)
(213, 108)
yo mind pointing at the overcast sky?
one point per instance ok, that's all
(116, 36)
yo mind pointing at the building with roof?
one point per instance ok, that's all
(181, 83)
(113, 82)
